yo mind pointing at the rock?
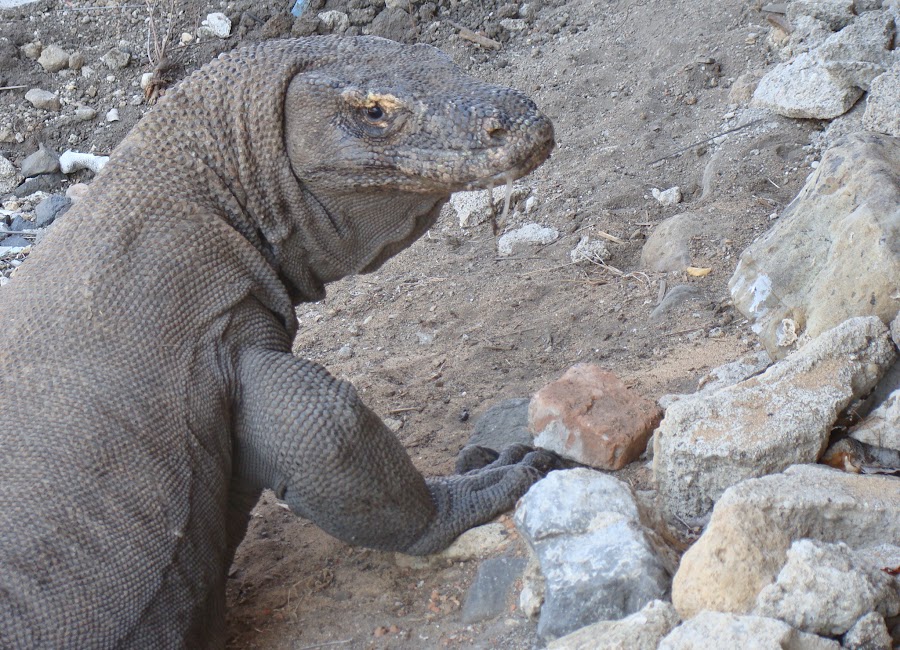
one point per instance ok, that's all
(642, 630)
(706, 444)
(393, 24)
(32, 50)
(530, 233)
(718, 630)
(828, 258)
(53, 58)
(77, 191)
(217, 24)
(726, 375)
(116, 59)
(43, 99)
(803, 88)
(475, 543)
(595, 559)
(492, 589)
(589, 251)
(826, 588)
(868, 633)
(668, 246)
(837, 14)
(741, 90)
(473, 208)
(502, 425)
(85, 113)
(15, 241)
(76, 61)
(745, 545)
(72, 161)
(861, 51)
(112, 115)
(808, 34)
(334, 22)
(589, 416)
(42, 183)
(7, 176)
(880, 425)
(677, 299)
(669, 197)
(48, 210)
(42, 161)
(883, 104)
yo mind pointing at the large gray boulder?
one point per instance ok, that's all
(834, 254)
(595, 559)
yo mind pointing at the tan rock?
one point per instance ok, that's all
(707, 443)
(589, 416)
(830, 256)
(754, 523)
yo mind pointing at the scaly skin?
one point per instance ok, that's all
(148, 389)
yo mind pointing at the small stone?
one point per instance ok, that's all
(146, 79)
(50, 209)
(112, 115)
(32, 50)
(218, 24)
(393, 424)
(492, 588)
(7, 176)
(43, 99)
(502, 425)
(43, 183)
(668, 248)
(669, 197)
(85, 113)
(742, 89)
(589, 416)
(589, 251)
(53, 58)
(77, 191)
(186, 38)
(530, 233)
(42, 161)
(116, 59)
(345, 352)
(334, 21)
(76, 61)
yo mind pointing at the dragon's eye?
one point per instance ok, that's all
(374, 112)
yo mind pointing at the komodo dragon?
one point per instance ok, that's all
(149, 393)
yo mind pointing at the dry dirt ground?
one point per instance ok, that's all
(449, 327)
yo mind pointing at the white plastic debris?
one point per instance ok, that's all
(72, 161)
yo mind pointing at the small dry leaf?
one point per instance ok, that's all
(698, 271)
